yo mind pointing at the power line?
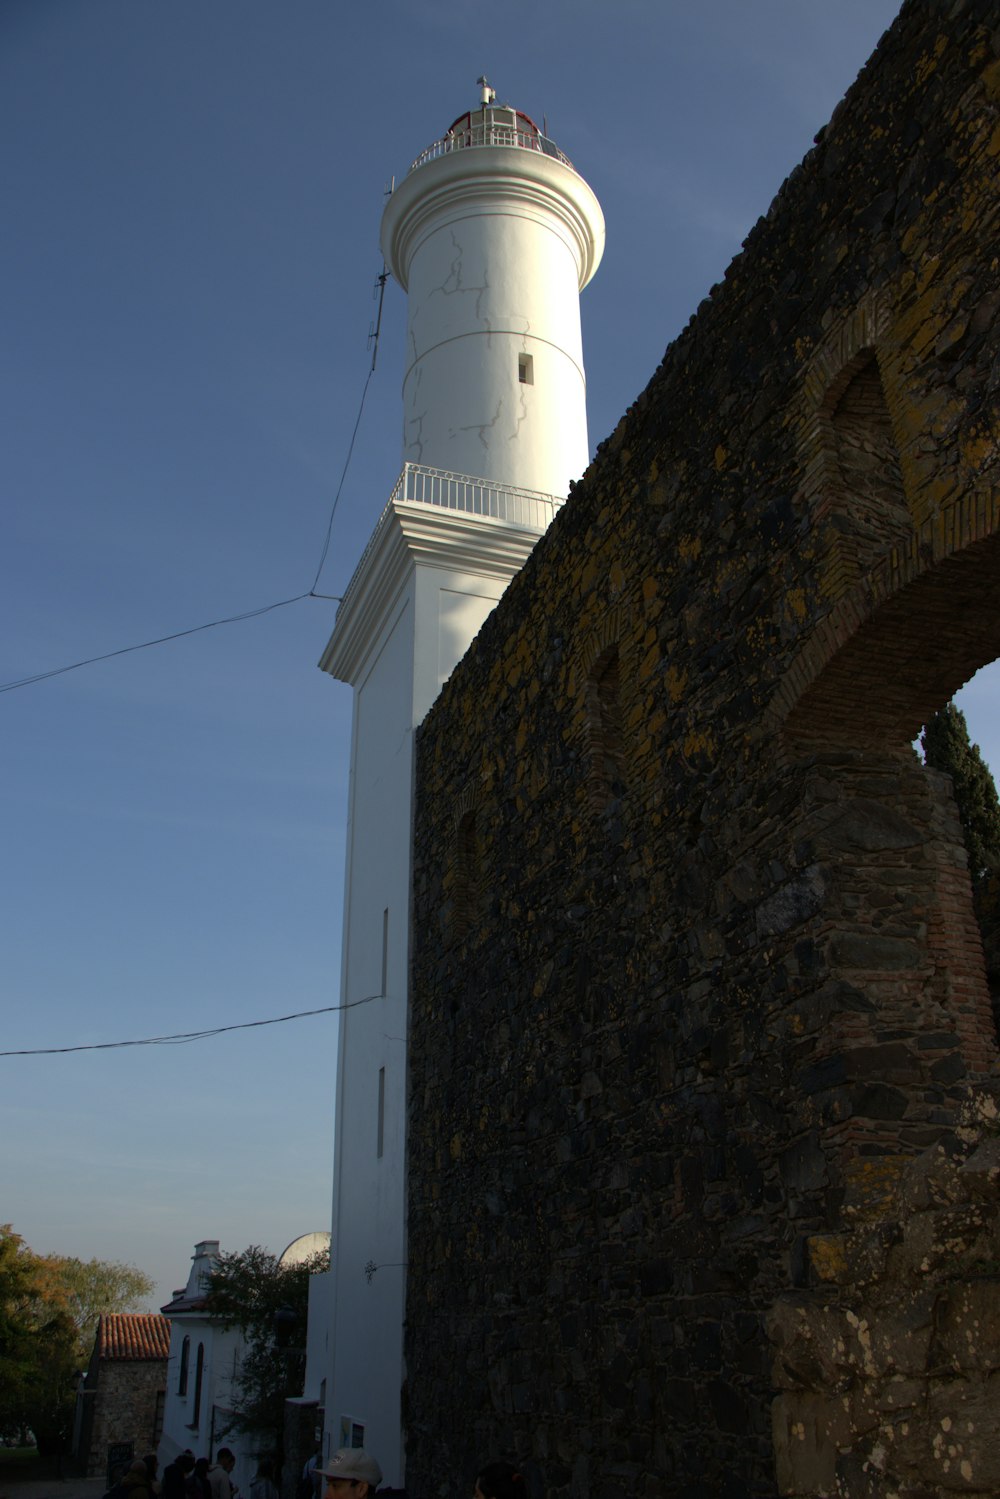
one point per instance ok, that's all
(230, 619)
(185, 1036)
(343, 476)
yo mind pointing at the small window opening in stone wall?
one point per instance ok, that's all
(182, 1378)
(468, 874)
(605, 729)
(869, 503)
(525, 369)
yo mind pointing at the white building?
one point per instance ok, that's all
(493, 235)
(203, 1359)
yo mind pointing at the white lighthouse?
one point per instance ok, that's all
(493, 235)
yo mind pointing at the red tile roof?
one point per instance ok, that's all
(133, 1335)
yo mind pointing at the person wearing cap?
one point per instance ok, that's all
(351, 1471)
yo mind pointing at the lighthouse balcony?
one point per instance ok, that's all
(421, 485)
(500, 128)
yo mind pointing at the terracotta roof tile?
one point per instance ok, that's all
(133, 1335)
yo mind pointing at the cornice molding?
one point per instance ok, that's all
(488, 179)
(412, 536)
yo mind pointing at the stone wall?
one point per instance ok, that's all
(124, 1409)
(696, 981)
(889, 1374)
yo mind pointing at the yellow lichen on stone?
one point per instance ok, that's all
(796, 600)
(676, 682)
(699, 742)
(928, 61)
(978, 448)
(588, 576)
(649, 662)
(827, 1256)
(720, 457)
(871, 1181)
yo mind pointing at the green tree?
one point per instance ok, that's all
(90, 1289)
(38, 1358)
(49, 1307)
(946, 747)
(246, 1291)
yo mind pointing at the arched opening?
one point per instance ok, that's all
(910, 1024)
(873, 501)
(963, 741)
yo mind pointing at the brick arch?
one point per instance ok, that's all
(597, 683)
(605, 635)
(904, 640)
(875, 669)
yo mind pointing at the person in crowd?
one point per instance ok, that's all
(219, 1482)
(310, 1483)
(263, 1485)
(350, 1473)
(133, 1484)
(175, 1476)
(198, 1485)
(152, 1463)
(500, 1480)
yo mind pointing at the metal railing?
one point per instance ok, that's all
(438, 486)
(420, 485)
(492, 135)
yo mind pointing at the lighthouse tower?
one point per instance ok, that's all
(493, 235)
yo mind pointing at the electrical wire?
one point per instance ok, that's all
(230, 619)
(186, 1036)
(343, 476)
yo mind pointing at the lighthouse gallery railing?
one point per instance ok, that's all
(420, 485)
(492, 134)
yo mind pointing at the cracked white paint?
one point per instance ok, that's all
(492, 270)
(484, 430)
(413, 436)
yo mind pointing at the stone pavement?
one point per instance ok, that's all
(52, 1488)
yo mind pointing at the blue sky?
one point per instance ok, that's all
(193, 195)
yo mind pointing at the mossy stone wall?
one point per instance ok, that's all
(697, 989)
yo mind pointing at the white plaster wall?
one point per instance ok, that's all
(365, 1371)
(482, 291)
(318, 1326)
(221, 1346)
(493, 247)
(424, 634)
